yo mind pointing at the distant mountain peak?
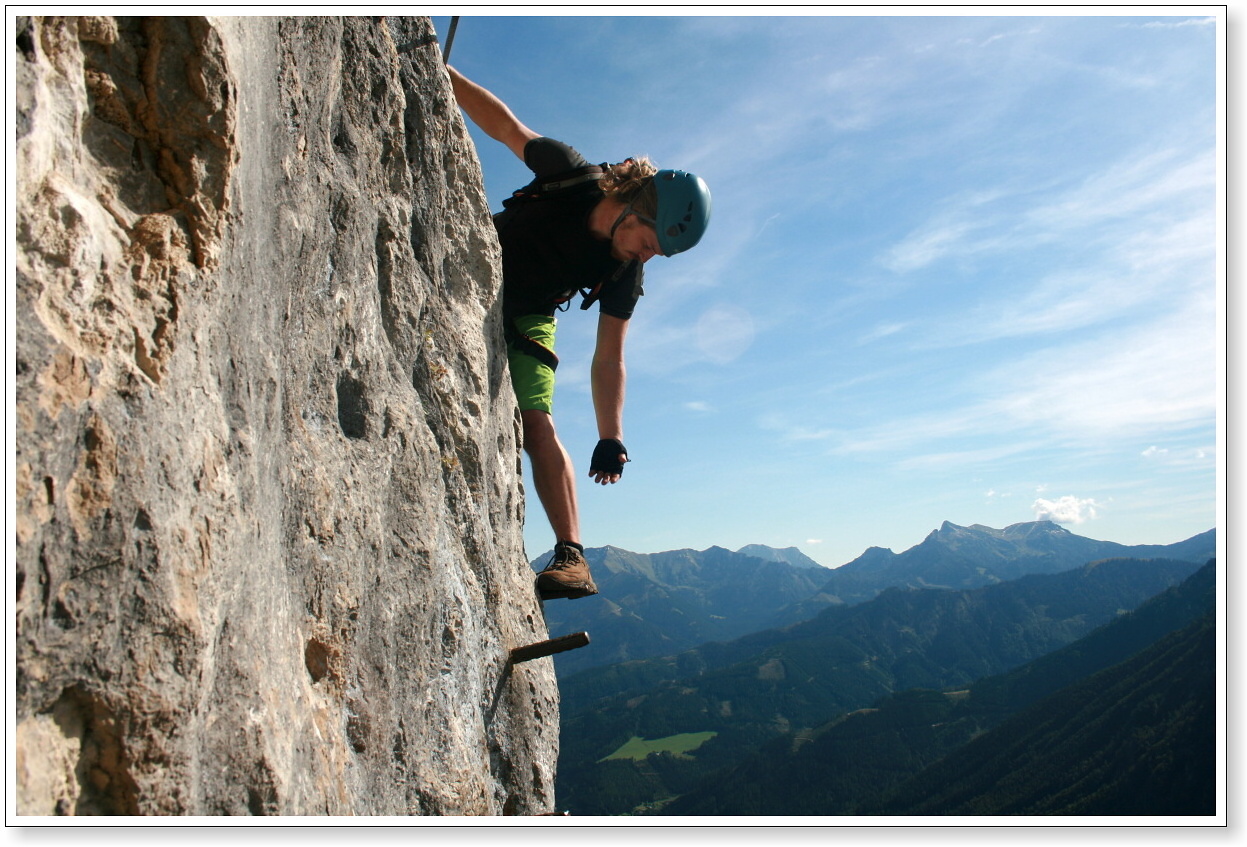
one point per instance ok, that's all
(1032, 527)
(791, 555)
(1017, 530)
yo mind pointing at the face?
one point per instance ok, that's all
(635, 239)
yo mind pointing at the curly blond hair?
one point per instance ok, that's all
(632, 182)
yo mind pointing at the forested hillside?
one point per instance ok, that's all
(850, 764)
(783, 684)
(1136, 739)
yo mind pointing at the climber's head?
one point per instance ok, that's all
(660, 212)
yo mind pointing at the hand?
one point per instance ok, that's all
(609, 458)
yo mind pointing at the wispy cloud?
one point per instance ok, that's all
(950, 233)
(1183, 457)
(1143, 183)
(1136, 382)
(1209, 21)
(1153, 376)
(883, 330)
(1135, 198)
(767, 223)
(1137, 237)
(792, 432)
(942, 461)
(724, 333)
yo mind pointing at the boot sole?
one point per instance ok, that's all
(569, 593)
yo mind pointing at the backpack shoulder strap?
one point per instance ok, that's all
(557, 185)
(570, 179)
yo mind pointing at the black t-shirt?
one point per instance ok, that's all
(548, 252)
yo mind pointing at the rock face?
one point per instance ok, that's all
(268, 497)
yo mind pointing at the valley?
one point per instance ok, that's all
(888, 670)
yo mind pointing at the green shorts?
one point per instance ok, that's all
(532, 380)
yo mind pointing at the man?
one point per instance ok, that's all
(594, 238)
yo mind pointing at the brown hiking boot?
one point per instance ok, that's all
(567, 575)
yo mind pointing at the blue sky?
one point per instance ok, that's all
(959, 268)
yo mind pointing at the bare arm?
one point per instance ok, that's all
(490, 114)
(609, 377)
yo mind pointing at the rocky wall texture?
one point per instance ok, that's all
(268, 552)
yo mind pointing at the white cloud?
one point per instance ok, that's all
(1182, 457)
(1067, 509)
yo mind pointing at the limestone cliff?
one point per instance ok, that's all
(268, 498)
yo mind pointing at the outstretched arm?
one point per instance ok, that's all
(609, 377)
(490, 114)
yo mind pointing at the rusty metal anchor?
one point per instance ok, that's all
(550, 647)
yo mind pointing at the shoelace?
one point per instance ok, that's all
(562, 559)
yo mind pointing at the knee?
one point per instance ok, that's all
(539, 434)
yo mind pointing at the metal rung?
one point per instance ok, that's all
(549, 648)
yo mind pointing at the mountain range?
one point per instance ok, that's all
(659, 604)
(731, 699)
(655, 604)
(970, 556)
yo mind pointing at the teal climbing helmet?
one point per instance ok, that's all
(683, 210)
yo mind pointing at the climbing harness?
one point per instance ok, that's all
(591, 295)
(528, 346)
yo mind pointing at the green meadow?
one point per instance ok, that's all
(678, 745)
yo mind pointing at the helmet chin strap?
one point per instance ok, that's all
(627, 210)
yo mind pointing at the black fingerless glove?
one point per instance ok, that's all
(606, 457)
